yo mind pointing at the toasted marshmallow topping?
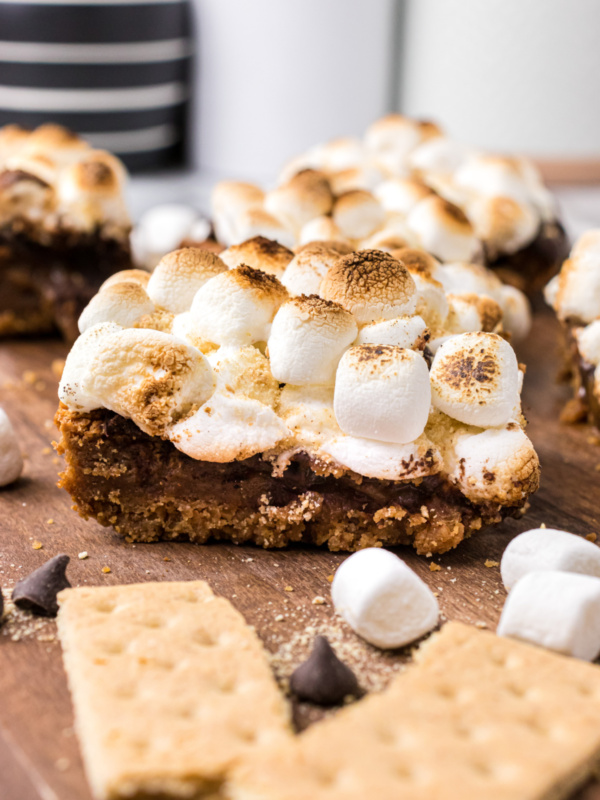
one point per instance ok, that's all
(56, 182)
(321, 229)
(246, 372)
(124, 303)
(163, 228)
(475, 379)
(401, 194)
(382, 392)
(258, 222)
(259, 253)
(308, 413)
(443, 229)
(127, 276)
(303, 275)
(505, 225)
(358, 214)
(308, 338)
(230, 201)
(366, 176)
(237, 306)
(385, 460)
(588, 342)
(464, 278)
(393, 137)
(575, 292)
(516, 312)
(498, 465)
(407, 332)
(305, 196)
(228, 428)
(179, 275)
(472, 312)
(74, 388)
(371, 285)
(439, 155)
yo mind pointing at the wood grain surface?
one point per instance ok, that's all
(39, 756)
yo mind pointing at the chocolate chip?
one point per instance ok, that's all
(323, 679)
(37, 592)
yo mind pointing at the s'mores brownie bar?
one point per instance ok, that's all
(575, 296)
(223, 402)
(406, 180)
(64, 228)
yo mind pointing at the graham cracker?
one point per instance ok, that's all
(170, 688)
(477, 716)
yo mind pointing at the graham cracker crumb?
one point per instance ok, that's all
(318, 600)
(37, 545)
(434, 567)
(288, 589)
(591, 537)
(106, 570)
(489, 563)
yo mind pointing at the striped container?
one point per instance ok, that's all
(115, 71)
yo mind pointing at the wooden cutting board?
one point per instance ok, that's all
(39, 756)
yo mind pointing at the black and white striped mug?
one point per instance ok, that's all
(115, 71)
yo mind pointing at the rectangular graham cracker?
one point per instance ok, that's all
(170, 688)
(477, 717)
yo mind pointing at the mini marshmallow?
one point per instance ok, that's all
(432, 303)
(392, 138)
(385, 240)
(382, 599)
(305, 196)
(439, 155)
(259, 253)
(498, 465)
(576, 293)
(148, 376)
(237, 306)
(358, 214)
(123, 303)
(162, 229)
(443, 229)
(504, 225)
(11, 460)
(338, 154)
(246, 372)
(384, 460)
(382, 392)
(475, 379)
(179, 275)
(588, 342)
(472, 312)
(303, 275)
(74, 388)
(321, 229)
(556, 610)
(365, 176)
(401, 194)
(308, 413)
(258, 222)
(516, 312)
(543, 549)
(127, 276)
(462, 277)
(494, 176)
(90, 191)
(371, 285)
(228, 428)
(308, 338)
(230, 200)
(407, 332)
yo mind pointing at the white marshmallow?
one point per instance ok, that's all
(358, 214)
(556, 610)
(259, 253)
(11, 460)
(308, 413)
(304, 273)
(382, 599)
(393, 137)
(320, 229)
(74, 389)
(493, 176)
(258, 222)
(432, 303)
(230, 200)
(148, 376)
(124, 303)
(443, 230)
(498, 465)
(365, 176)
(472, 312)
(588, 342)
(140, 276)
(179, 275)
(407, 332)
(475, 379)
(544, 549)
(382, 392)
(516, 312)
(401, 194)
(237, 306)
(577, 296)
(504, 224)
(228, 428)
(439, 154)
(382, 460)
(308, 338)
(462, 277)
(305, 196)
(339, 154)
(372, 285)
(162, 229)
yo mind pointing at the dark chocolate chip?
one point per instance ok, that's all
(323, 679)
(37, 592)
